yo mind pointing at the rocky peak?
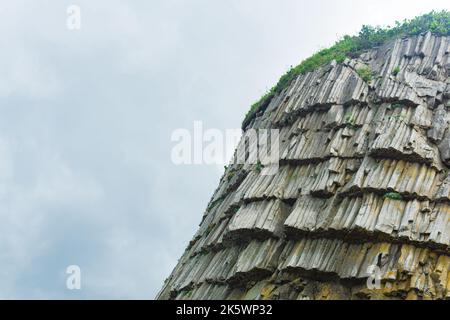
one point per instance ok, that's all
(363, 184)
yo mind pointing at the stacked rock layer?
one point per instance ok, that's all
(363, 185)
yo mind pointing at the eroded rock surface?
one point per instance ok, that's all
(363, 182)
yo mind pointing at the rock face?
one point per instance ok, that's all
(363, 185)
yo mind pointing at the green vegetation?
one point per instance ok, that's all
(189, 293)
(398, 117)
(234, 210)
(214, 203)
(259, 167)
(230, 175)
(393, 196)
(396, 71)
(368, 37)
(446, 172)
(365, 73)
(350, 121)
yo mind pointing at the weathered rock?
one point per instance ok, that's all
(440, 124)
(363, 184)
(258, 220)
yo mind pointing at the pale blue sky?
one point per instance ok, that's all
(86, 119)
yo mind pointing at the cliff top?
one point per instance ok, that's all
(350, 46)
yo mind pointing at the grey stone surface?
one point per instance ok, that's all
(363, 181)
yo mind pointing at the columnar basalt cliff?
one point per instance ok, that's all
(363, 185)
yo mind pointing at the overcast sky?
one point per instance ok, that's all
(86, 119)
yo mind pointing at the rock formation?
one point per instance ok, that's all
(363, 185)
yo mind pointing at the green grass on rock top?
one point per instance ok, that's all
(369, 37)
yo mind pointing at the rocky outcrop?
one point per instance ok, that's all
(363, 184)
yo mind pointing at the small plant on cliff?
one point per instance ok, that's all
(393, 196)
(259, 167)
(396, 106)
(189, 293)
(231, 174)
(396, 71)
(350, 121)
(212, 204)
(365, 73)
